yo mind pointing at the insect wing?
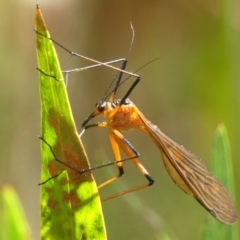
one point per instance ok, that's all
(192, 176)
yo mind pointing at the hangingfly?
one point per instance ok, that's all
(186, 170)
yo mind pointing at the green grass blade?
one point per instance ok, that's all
(12, 218)
(222, 168)
(70, 205)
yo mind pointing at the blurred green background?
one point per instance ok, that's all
(193, 86)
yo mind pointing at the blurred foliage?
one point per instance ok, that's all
(186, 93)
(221, 166)
(12, 218)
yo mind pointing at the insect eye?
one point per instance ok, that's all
(115, 102)
(126, 102)
(101, 105)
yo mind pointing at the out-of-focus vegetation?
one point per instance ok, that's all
(193, 86)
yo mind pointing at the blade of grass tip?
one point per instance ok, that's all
(221, 167)
(70, 205)
(12, 218)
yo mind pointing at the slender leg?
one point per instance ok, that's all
(87, 58)
(120, 74)
(117, 140)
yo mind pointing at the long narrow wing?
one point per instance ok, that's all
(192, 176)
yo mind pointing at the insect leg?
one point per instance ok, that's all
(116, 151)
(86, 58)
(120, 74)
(115, 146)
(117, 140)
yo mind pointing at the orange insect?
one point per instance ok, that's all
(186, 170)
